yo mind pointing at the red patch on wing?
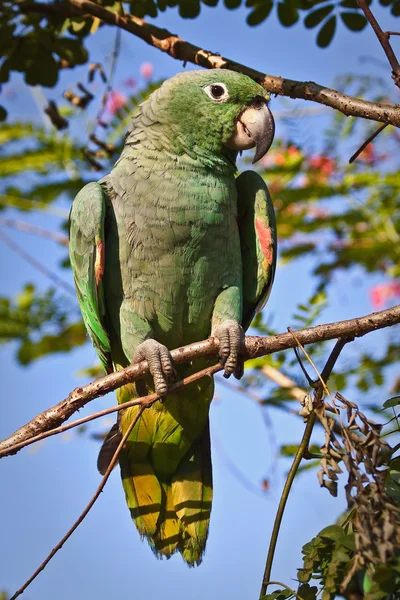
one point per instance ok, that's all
(265, 238)
(99, 263)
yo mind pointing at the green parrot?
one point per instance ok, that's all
(170, 248)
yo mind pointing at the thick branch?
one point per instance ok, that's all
(187, 52)
(383, 38)
(255, 347)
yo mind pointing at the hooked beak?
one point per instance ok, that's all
(255, 126)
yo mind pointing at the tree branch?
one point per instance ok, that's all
(383, 38)
(255, 347)
(303, 447)
(85, 511)
(40, 231)
(187, 52)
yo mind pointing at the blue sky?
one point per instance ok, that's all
(45, 487)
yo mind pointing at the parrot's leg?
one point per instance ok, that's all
(227, 329)
(160, 363)
(138, 344)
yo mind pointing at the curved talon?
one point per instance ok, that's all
(160, 364)
(231, 338)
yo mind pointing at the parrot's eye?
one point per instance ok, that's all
(217, 92)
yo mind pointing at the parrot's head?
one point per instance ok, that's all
(218, 109)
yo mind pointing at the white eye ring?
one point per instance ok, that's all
(218, 92)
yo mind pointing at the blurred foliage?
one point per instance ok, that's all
(39, 323)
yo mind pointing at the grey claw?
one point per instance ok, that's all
(231, 341)
(160, 364)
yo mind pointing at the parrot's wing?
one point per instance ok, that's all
(87, 254)
(258, 242)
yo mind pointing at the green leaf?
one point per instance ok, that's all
(5, 71)
(394, 401)
(306, 592)
(326, 33)
(71, 50)
(43, 70)
(231, 4)
(396, 9)
(189, 9)
(353, 21)
(314, 18)
(3, 113)
(288, 14)
(80, 27)
(333, 532)
(259, 14)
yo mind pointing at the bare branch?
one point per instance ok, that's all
(367, 141)
(187, 52)
(144, 401)
(37, 265)
(255, 347)
(383, 38)
(86, 509)
(40, 231)
(303, 447)
(284, 382)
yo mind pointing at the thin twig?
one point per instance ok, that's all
(145, 401)
(109, 83)
(300, 362)
(187, 52)
(367, 141)
(87, 508)
(286, 587)
(40, 231)
(285, 382)
(256, 346)
(303, 447)
(383, 38)
(37, 265)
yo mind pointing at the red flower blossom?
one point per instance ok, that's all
(115, 101)
(383, 292)
(146, 70)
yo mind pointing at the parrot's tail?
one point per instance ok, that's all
(173, 514)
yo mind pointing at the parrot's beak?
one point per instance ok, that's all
(255, 126)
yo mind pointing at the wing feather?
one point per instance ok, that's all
(258, 241)
(87, 252)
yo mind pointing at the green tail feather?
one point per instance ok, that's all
(166, 470)
(173, 515)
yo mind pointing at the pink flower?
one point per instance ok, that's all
(383, 292)
(146, 70)
(115, 101)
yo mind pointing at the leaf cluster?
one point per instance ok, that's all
(39, 323)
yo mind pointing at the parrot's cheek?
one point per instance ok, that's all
(241, 138)
(255, 126)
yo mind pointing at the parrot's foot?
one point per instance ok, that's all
(160, 364)
(231, 344)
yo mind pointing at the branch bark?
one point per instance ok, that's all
(182, 50)
(383, 38)
(255, 347)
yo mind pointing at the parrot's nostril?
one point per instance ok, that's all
(258, 102)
